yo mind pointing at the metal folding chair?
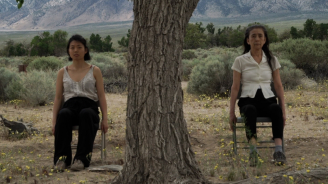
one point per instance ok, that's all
(102, 146)
(258, 120)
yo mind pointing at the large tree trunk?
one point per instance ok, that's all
(158, 149)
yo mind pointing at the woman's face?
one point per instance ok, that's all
(256, 38)
(77, 50)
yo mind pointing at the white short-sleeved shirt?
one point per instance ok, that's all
(254, 75)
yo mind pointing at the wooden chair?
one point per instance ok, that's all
(258, 120)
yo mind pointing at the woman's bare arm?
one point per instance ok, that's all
(233, 97)
(280, 92)
(101, 97)
(58, 98)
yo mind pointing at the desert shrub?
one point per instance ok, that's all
(13, 90)
(213, 75)
(10, 62)
(46, 63)
(309, 55)
(38, 87)
(6, 78)
(28, 60)
(187, 66)
(113, 71)
(290, 76)
(188, 54)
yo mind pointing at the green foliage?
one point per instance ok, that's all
(46, 63)
(59, 42)
(107, 44)
(124, 42)
(38, 87)
(195, 37)
(309, 27)
(111, 69)
(188, 54)
(210, 28)
(284, 35)
(6, 78)
(295, 33)
(95, 42)
(321, 32)
(42, 45)
(200, 28)
(19, 3)
(13, 49)
(311, 30)
(213, 75)
(308, 55)
(10, 62)
(230, 37)
(13, 90)
(290, 76)
(187, 66)
(99, 45)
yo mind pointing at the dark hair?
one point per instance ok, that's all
(78, 38)
(265, 47)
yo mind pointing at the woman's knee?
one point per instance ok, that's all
(64, 113)
(249, 109)
(87, 112)
(275, 108)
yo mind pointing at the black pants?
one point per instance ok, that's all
(251, 108)
(84, 113)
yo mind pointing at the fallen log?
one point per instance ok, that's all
(17, 126)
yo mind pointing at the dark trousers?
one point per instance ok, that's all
(251, 108)
(84, 113)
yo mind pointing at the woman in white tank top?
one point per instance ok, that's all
(79, 92)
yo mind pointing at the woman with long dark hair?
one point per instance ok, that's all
(79, 92)
(255, 70)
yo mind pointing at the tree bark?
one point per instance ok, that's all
(158, 148)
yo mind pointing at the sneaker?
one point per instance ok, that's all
(279, 158)
(253, 159)
(77, 165)
(60, 165)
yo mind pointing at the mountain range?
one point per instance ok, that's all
(53, 14)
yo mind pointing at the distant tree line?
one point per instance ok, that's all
(311, 30)
(47, 44)
(196, 37)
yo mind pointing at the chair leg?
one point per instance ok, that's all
(102, 146)
(234, 138)
(283, 144)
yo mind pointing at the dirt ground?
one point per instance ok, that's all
(29, 160)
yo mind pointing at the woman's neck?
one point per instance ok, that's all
(79, 64)
(256, 53)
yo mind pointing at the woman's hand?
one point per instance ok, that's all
(232, 120)
(104, 126)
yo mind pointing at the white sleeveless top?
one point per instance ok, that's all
(84, 88)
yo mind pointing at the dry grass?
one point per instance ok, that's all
(29, 160)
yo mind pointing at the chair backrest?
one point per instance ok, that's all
(272, 89)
